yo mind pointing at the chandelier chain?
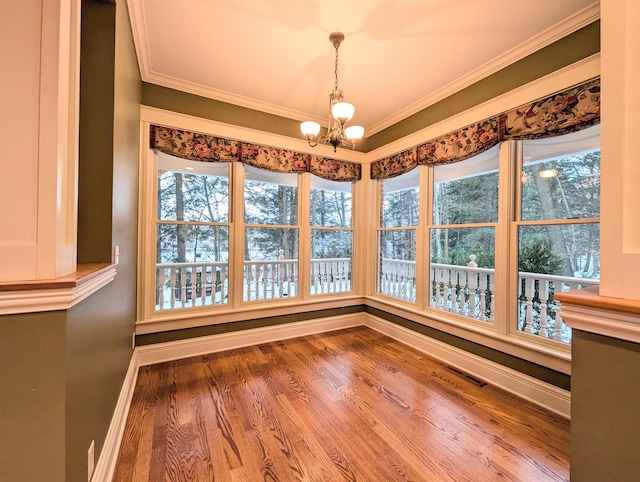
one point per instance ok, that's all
(335, 85)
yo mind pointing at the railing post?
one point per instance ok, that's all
(473, 285)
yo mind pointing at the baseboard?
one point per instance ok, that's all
(106, 465)
(175, 350)
(543, 394)
(536, 391)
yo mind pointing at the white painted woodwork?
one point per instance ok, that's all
(620, 168)
(40, 127)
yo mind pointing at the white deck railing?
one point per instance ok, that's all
(463, 290)
(469, 291)
(187, 285)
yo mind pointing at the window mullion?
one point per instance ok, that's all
(148, 209)
(304, 235)
(422, 237)
(507, 187)
(236, 241)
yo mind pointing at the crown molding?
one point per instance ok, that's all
(581, 19)
(136, 13)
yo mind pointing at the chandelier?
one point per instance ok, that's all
(340, 112)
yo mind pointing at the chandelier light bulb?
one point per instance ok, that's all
(354, 132)
(310, 129)
(343, 112)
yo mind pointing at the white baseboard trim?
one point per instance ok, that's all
(106, 465)
(175, 350)
(524, 386)
(521, 385)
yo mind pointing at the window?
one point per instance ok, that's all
(399, 218)
(331, 236)
(192, 233)
(271, 234)
(558, 227)
(462, 236)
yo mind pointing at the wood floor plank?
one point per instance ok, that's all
(352, 405)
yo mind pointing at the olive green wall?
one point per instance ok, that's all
(99, 329)
(605, 423)
(190, 104)
(97, 54)
(32, 404)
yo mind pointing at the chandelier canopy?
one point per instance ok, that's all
(340, 112)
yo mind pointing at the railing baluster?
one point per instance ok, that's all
(482, 288)
(543, 293)
(529, 289)
(473, 284)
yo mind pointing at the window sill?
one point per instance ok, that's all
(54, 294)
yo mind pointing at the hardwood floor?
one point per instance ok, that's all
(351, 405)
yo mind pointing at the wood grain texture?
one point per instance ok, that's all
(350, 405)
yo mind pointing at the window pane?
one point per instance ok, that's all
(331, 261)
(192, 266)
(400, 200)
(192, 190)
(330, 203)
(270, 197)
(462, 271)
(327, 243)
(180, 243)
(271, 263)
(397, 264)
(553, 259)
(467, 191)
(561, 177)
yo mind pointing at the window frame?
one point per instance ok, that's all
(148, 320)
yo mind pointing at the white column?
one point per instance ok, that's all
(40, 125)
(620, 170)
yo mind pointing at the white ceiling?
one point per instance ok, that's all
(398, 57)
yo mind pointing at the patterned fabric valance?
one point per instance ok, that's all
(395, 165)
(571, 110)
(568, 111)
(461, 144)
(335, 170)
(193, 145)
(202, 147)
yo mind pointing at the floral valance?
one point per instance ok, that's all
(395, 165)
(335, 170)
(461, 144)
(193, 145)
(202, 147)
(568, 111)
